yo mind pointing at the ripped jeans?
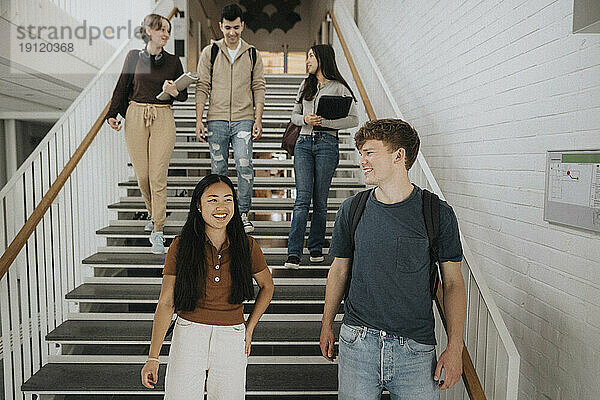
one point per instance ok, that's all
(239, 133)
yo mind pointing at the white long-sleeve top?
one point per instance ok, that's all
(304, 107)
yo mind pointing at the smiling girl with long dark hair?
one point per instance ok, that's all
(207, 276)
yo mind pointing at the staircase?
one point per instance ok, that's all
(103, 346)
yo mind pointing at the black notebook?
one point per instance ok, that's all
(334, 107)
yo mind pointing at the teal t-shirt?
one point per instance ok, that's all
(390, 273)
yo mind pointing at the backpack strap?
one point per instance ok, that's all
(252, 53)
(214, 51)
(431, 213)
(357, 207)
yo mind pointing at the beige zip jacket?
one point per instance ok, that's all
(231, 91)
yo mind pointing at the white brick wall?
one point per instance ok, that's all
(490, 86)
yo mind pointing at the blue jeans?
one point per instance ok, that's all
(371, 360)
(315, 159)
(239, 134)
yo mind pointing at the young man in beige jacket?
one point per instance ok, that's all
(232, 74)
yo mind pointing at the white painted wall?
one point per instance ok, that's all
(491, 86)
(107, 12)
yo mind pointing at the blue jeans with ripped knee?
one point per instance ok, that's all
(239, 134)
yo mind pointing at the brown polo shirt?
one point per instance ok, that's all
(214, 308)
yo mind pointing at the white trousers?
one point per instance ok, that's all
(210, 353)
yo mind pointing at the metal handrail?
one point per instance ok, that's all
(470, 378)
(17, 244)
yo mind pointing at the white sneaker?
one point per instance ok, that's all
(248, 227)
(149, 226)
(158, 242)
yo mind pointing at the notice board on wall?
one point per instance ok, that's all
(572, 194)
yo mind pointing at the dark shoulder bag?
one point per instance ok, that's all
(290, 136)
(288, 142)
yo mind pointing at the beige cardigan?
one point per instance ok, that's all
(231, 92)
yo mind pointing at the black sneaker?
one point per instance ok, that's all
(292, 262)
(316, 256)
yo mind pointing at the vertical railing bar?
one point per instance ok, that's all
(476, 330)
(41, 265)
(87, 171)
(62, 210)
(5, 310)
(106, 182)
(22, 263)
(35, 271)
(49, 276)
(31, 294)
(64, 228)
(102, 195)
(490, 357)
(17, 365)
(82, 188)
(54, 212)
(74, 182)
(70, 146)
(91, 188)
(495, 366)
(468, 316)
(484, 345)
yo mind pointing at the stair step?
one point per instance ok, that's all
(157, 280)
(333, 202)
(185, 206)
(279, 111)
(258, 164)
(256, 146)
(172, 231)
(266, 332)
(203, 163)
(273, 85)
(174, 182)
(158, 260)
(266, 130)
(272, 106)
(180, 223)
(160, 397)
(262, 379)
(266, 121)
(127, 293)
(189, 133)
(146, 316)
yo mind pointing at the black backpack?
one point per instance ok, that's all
(214, 51)
(431, 213)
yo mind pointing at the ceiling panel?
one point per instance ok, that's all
(8, 104)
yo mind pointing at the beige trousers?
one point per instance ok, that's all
(210, 353)
(150, 138)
